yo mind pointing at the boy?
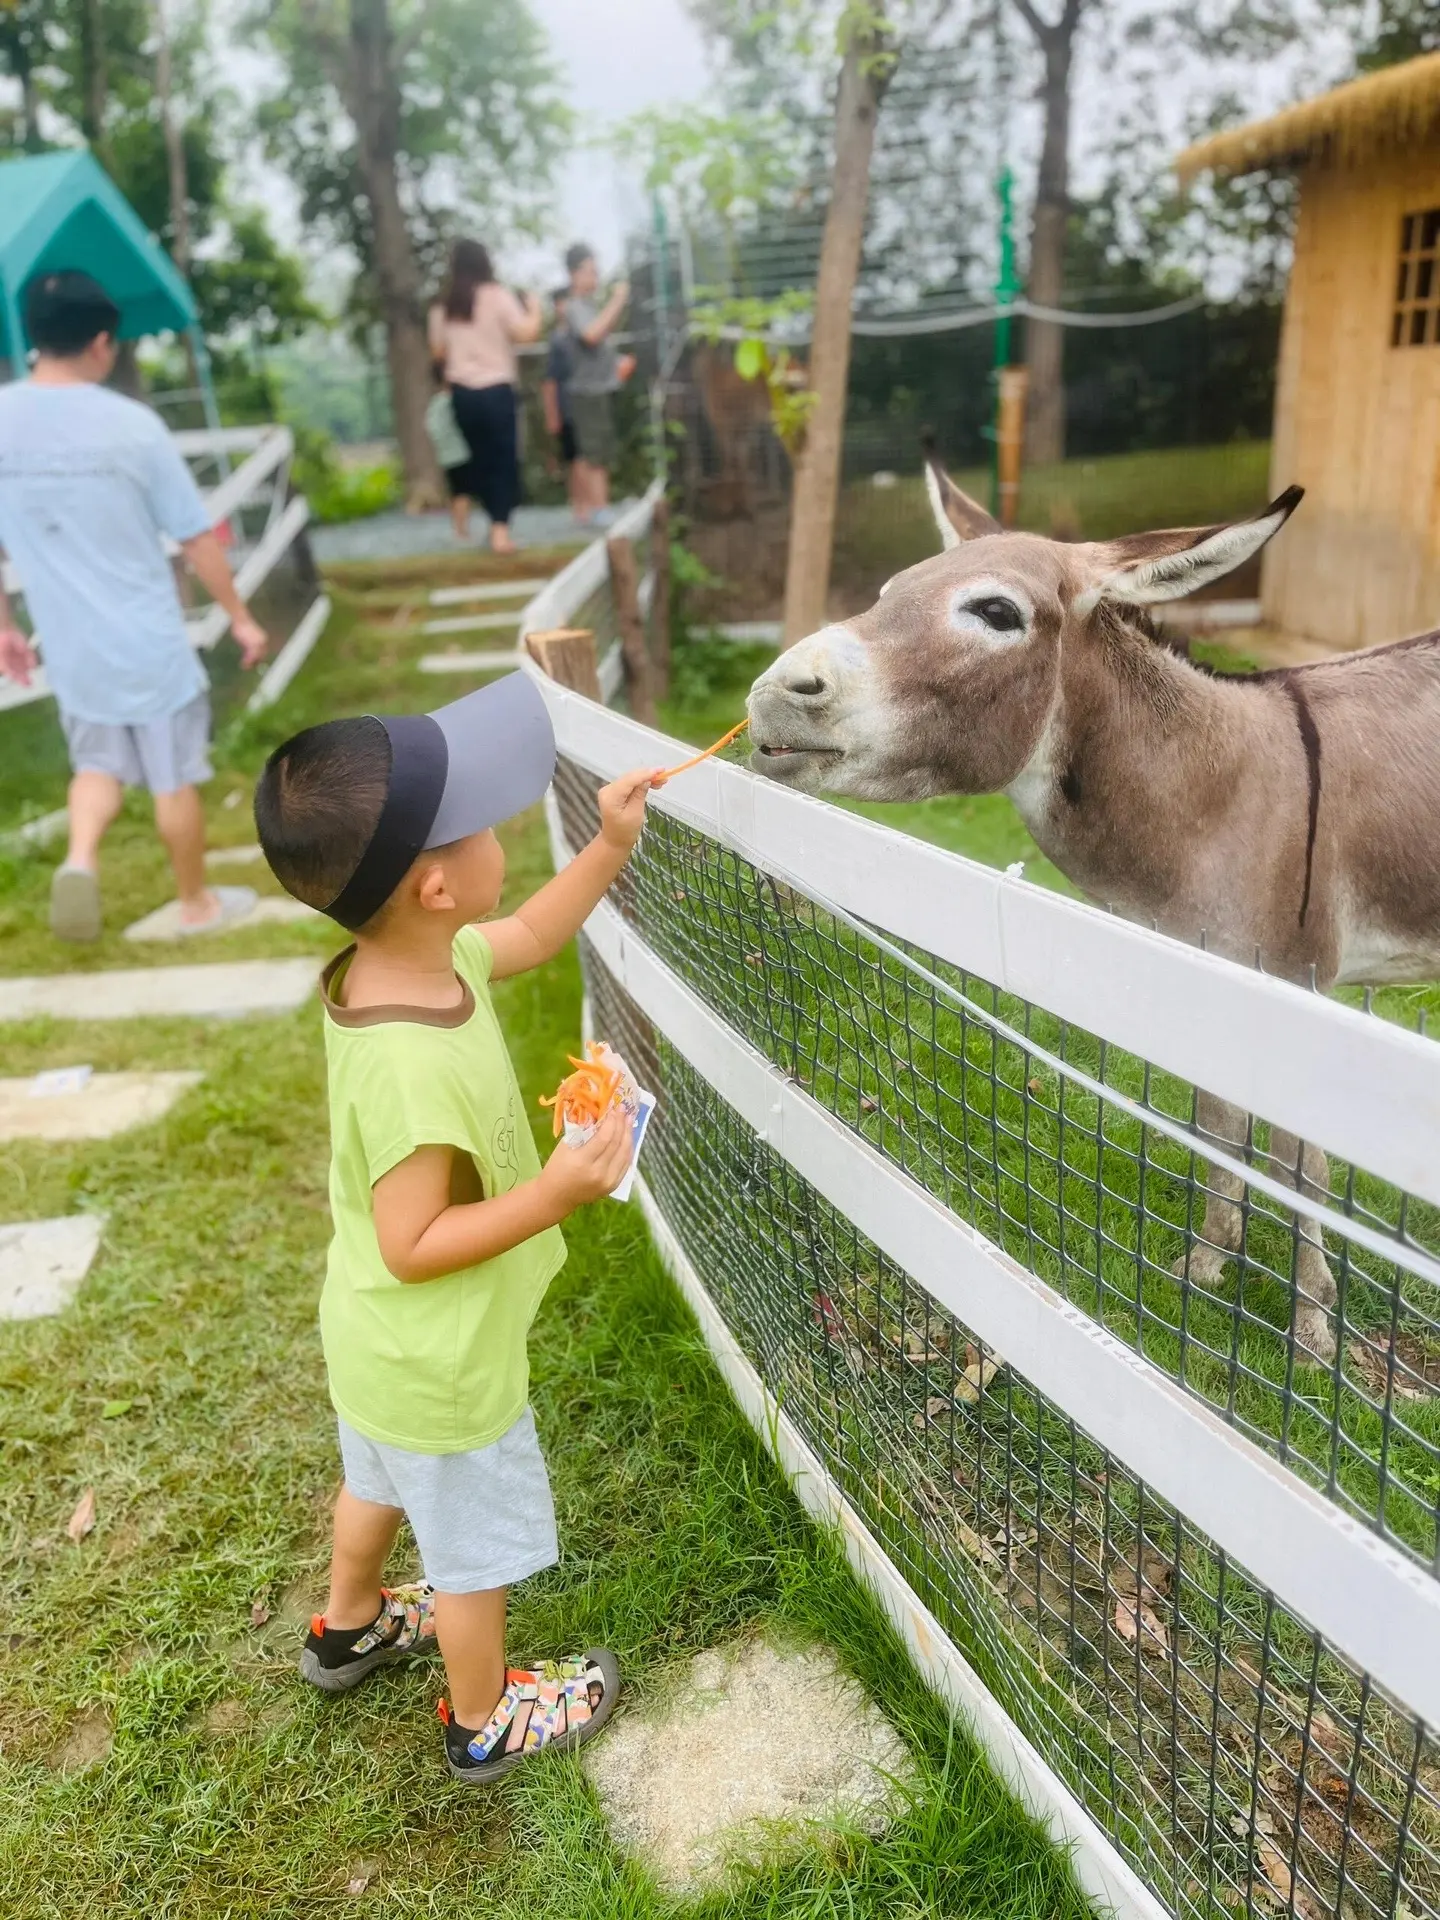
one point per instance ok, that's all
(447, 1229)
(555, 394)
(89, 481)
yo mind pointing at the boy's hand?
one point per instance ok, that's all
(575, 1175)
(622, 807)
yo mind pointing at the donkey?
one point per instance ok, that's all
(1291, 817)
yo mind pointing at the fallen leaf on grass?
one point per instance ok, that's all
(1150, 1581)
(1141, 1624)
(259, 1614)
(980, 1370)
(936, 1407)
(360, 1877)
(1281, 1885)
(82, 1520)
(113, 1409)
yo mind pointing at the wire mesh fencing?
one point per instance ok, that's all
(1236, 1758)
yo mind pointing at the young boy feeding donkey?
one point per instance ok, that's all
(447, 1227)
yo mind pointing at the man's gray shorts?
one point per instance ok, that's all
(593, 415)
(163, 755)
(481, 1520)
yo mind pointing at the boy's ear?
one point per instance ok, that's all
(432, 890)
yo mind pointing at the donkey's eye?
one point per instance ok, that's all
(997, 612)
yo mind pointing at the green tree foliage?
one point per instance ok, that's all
(481, 126)
(250, 293)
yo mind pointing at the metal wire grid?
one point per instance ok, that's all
(1238, 1762)
(1081, 1161)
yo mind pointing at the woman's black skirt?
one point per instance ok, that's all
(488, 419)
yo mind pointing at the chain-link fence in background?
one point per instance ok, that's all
(1242, 1756)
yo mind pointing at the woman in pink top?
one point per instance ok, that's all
(474, 329)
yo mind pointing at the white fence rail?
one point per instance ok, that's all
(1331, 1562)
(252, 502)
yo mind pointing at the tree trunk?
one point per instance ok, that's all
(817, 466)
(373, 98)
(1044, 341)
(174, 147)
(94, 79)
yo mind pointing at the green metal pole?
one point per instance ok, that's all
(1006, 288)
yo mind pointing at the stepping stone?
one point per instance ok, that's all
(470, 623)
(469, 662)
(269, 910)
(489, 590)
(758, 1750)
(42, 1263)
(234, 856)
(218, 992)
(106, 1104)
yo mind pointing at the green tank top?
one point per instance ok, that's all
(433, 1366)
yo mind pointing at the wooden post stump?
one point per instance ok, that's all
(567, 655)
(625, 584)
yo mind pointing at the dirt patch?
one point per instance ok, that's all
(761, 1751)
(87, 1742)
(225, 1719)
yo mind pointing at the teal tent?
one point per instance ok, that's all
(64, 210)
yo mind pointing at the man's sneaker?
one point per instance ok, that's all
(75, 904)
(338, 1658)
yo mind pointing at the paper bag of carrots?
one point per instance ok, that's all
(599, 1082)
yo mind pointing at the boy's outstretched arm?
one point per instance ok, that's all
(537, 931)
(424, 1233)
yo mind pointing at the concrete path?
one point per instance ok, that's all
(42, 1263)
(227, 989)
(102, 1105)
(402, 536)
(269, 910)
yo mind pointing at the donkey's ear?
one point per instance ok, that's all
(1139, 568)
(956, 515)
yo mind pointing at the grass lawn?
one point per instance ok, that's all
(185, 1387)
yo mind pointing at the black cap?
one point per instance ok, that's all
(66, 309)
(465, 767)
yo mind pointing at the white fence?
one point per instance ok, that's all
(956, 1112)
(252, 502)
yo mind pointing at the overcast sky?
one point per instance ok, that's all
(618, 56)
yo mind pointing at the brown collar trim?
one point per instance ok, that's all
(380, 1016)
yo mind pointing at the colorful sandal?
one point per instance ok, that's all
(338, 1658)
(549, 1709)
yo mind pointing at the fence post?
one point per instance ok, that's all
(1010, 440)
(660, 598)
(625, 584)
(567, 656)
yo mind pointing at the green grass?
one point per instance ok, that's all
(232, 1790)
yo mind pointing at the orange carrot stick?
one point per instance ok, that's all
(669, 773)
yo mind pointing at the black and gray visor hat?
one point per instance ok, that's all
(453, 772)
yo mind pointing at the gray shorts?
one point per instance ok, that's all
(163, 755)
(481, 1520)
(593, 417)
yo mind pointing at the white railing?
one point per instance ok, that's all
(253, 504)
(1365, 1090)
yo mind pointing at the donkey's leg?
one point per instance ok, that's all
(1304, 1167)
(1226, 1127)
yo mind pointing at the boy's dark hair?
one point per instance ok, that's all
(65, 310)
(317, 805)
(576, 256)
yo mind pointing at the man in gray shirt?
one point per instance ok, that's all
(595, 376)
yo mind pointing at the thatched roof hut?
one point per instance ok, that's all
(1357, 410)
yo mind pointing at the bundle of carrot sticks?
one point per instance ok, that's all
(583, 1098)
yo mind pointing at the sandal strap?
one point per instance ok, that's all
(413, 1607)
(558, 1696)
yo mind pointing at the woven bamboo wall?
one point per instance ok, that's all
(1357, 420)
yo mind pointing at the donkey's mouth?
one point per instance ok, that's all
(769, 752)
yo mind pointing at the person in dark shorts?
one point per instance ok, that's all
(555, 389)
(594, 380)
(89, 483)
(475, 327)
